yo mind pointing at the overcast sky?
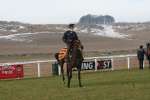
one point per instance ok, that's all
(69, 11)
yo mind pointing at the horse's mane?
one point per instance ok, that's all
(77, 43)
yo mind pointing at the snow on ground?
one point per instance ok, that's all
(109, 32)
(24, 37)
(85, 30)
(13, 30)
(1, 29)
(19, 37)
(21, 27)
(28, 37)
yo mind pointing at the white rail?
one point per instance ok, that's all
(87, 58)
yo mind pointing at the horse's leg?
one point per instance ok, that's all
(79, 65)
(79, 77)
(70, 63)
(149, 63)
(69, 77)
(62, 70)
(68, 74)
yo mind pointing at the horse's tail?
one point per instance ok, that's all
(56, 56)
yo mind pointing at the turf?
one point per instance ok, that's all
(116, 85)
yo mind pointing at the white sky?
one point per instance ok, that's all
(68, 11)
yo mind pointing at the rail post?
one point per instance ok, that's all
(95, 60)
(38, 67)
(59, 70)
(143, 63)
(112, 63)
(128, 62)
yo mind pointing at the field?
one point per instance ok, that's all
(117, 85)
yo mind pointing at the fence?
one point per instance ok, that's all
(44, 68)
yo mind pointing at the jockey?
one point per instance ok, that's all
(70, 36)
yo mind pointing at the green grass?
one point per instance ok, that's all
(116, 85)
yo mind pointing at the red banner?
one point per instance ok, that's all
(11, 71)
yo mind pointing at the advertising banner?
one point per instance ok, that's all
(104, 64)
(11, 71)
(89, 65)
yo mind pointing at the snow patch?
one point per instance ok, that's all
(109, 32)
(19, 37)
(1, 29)
(13, 30)
(84, 30)
(21, 27)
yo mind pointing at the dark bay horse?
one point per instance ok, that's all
(73, 59)
(148, 53)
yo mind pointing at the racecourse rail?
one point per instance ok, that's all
(38, 63)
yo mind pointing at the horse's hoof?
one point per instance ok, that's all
(82, 86)
(68, 86)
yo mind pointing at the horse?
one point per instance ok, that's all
(148, 53)
(72, 58)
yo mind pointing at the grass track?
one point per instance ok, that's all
(116, 85)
